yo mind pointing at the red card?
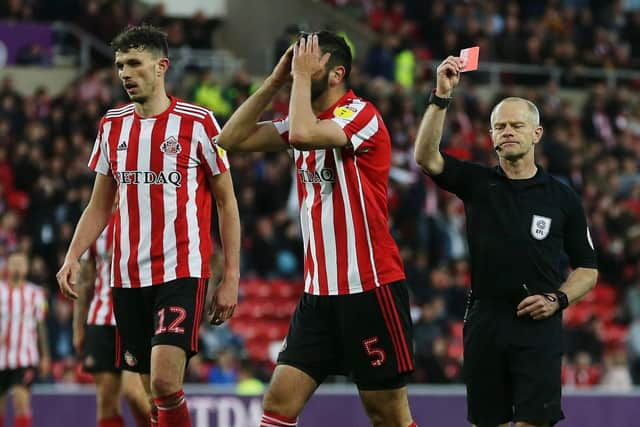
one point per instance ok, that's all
(469, 58)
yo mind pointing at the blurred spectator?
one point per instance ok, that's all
(248, 384)
(225, 369)
(582, 373)
(616, 375)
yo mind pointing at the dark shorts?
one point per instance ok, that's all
(511, 366)
(367, 336)
(13, 377)
(100, 349)
(163, 314)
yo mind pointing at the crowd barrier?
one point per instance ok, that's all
(334, 406)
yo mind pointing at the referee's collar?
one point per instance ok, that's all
(541, 176)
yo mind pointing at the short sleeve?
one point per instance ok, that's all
(282, 126)
(360, 122)
(578, 243)
(458, 176)
(99, 160)
(211, 155)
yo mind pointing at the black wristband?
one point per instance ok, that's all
(436, 100)
(563, 299)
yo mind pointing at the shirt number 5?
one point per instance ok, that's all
(376, 355)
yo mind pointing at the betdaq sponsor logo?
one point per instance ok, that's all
(314, 177)
(149, 177)
(227, 411)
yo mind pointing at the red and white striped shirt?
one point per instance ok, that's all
(161, 165)
(342, 195)
(21, 308)
(101, 307)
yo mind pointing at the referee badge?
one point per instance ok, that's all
(540, 226)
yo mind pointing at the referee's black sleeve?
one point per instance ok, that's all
(459, 177)
(578, 243)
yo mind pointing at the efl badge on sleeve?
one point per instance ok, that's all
(540, 226)
(171, 146)
(344, 112)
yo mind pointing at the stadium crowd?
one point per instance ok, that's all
(594, 147)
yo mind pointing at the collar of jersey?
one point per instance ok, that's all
(541, 177)
(164, 114)
(328, 113)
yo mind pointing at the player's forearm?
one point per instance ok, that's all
(427, 146)
(43, 340)
(229, 226)
(301, 117)
(83, 287)
(579, 282)
(93, 220)
(243, 122)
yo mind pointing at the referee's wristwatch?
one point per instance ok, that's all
(436, 100)
(563, 299)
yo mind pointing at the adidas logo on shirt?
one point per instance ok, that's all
(122, 146)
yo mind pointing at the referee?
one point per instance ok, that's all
(520, 220)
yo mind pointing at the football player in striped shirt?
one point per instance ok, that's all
(94, 338)
(23, 338)
(158, 154)
(353, 317)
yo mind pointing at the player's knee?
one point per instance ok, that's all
(107, 403)
(163, 386)
(375, 412)
(21, 401)
(275, 401)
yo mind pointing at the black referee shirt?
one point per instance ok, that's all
(517, 229)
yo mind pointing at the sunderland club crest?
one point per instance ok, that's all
(171, 146)
(540, 226)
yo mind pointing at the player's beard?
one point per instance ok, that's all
(15, 277)
(318, 87)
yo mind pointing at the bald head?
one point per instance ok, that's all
(534, 114)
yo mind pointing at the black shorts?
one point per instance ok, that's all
(163, 314)
(511, 366)
(368, 336)
(100, 349)
(19, 376)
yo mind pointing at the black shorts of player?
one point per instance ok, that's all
(511, 366)
(367, 336)
(168, 314)
(100, 349)
(18, 376)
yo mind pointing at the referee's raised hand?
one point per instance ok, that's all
(67, 278)
(448, 76)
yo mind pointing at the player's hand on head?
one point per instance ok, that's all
(538, 307)
(282, 71)
(224, 301)
(448, 76)
(308, 59)
(67, 276)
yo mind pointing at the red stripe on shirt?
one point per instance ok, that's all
(133, 207)
(156, 192)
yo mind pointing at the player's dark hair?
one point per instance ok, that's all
(145, 37)
(338, 48)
